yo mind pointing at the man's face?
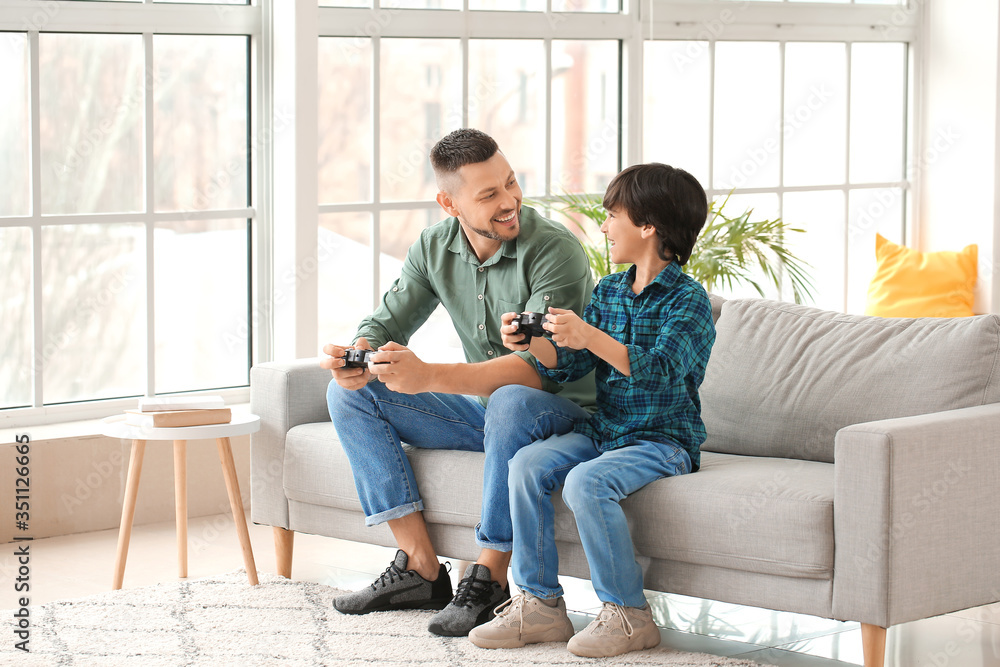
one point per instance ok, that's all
(487, 199)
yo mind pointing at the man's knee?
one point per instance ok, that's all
(511, 399)
(340, 400)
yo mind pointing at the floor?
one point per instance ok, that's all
(79, 565)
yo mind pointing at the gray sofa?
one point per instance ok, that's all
(851, 471)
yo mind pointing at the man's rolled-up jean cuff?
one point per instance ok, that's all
(394, 513)
(496, 546)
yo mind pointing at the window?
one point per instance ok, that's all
(126, 232)
(812, 131)
(551, 103)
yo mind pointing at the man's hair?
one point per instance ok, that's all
(461, 147)
(670, 199)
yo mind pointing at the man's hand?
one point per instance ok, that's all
(568, 329)
(404, 372)
(348, 378)
(511, 340)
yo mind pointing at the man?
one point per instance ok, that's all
(490, 257)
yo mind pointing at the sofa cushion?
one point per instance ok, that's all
(784, 378)
(769, 516)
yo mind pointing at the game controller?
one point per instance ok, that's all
(530, 324)
(359, 358)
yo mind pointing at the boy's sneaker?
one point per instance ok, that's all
(524, 620)
(398, 588)
(475, 599)
(616, 630)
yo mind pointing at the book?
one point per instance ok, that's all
(174, 418)
(162, 403)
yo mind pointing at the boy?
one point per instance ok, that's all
(648, 332)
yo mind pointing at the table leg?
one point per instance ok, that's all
(180, 506)
(128, 511)
(236, 503)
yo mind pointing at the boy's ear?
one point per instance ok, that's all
(647, 231)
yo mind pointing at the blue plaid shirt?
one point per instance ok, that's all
(669, 333)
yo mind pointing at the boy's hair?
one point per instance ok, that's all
(461, 147)
(670, 199)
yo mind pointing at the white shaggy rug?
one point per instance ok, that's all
(224, 621)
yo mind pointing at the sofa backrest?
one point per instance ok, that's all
(784, 378)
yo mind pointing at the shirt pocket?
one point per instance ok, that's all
(510, 306)
(645, 330)
(616, 325)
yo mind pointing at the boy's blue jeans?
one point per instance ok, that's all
(372, 421)
(593, 485)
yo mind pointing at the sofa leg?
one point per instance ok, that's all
(873, 641)
(283, 541)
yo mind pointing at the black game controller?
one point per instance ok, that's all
(530, 324)
(359, 358)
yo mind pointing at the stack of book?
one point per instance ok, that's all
(172, 411)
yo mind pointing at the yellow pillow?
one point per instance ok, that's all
(909, 283)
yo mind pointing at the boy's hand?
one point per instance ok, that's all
(511, 340)
(568, 329)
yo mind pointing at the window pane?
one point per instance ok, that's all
(345, 3)
(747, 115)
(507, 101)
(427, 4)
(14, 126)
(345, 275)
(763, 206)
(436, 340)
(202, 323)
(877, 211)
(430, 71)
(345, 119)
(509, 5)
(585, 5)
(92, 98)
(200, 122)
(222, 10)
(677, 115)
(815, 121)
(585, 124)
(821, 215)
(94, 311)
(16, 308)
(878, 112)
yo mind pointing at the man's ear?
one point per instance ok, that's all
(447, 203)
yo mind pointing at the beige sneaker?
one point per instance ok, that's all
(616, 630)
(523, 620)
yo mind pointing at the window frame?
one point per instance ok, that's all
(144, 19)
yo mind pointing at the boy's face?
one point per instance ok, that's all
(629, 243)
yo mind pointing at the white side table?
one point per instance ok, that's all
(115, 427)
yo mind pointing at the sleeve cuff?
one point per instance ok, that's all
(549, 383)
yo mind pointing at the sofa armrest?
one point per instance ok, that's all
(917, 516)
(284, 395)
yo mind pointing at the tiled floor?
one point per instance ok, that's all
(80, 565)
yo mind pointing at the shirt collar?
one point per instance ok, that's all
(664, 279)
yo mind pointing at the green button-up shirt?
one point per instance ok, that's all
(544, 266)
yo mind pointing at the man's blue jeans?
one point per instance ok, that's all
(594, 483)
(372, 421)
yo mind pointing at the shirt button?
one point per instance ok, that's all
(480, 297)
(546, 298)
(481, 269)
(489, 352)
(395, 289)
(482, 326)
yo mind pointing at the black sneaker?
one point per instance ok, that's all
(478, 595)
(398, 588)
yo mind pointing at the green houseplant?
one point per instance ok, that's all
(729, 251)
